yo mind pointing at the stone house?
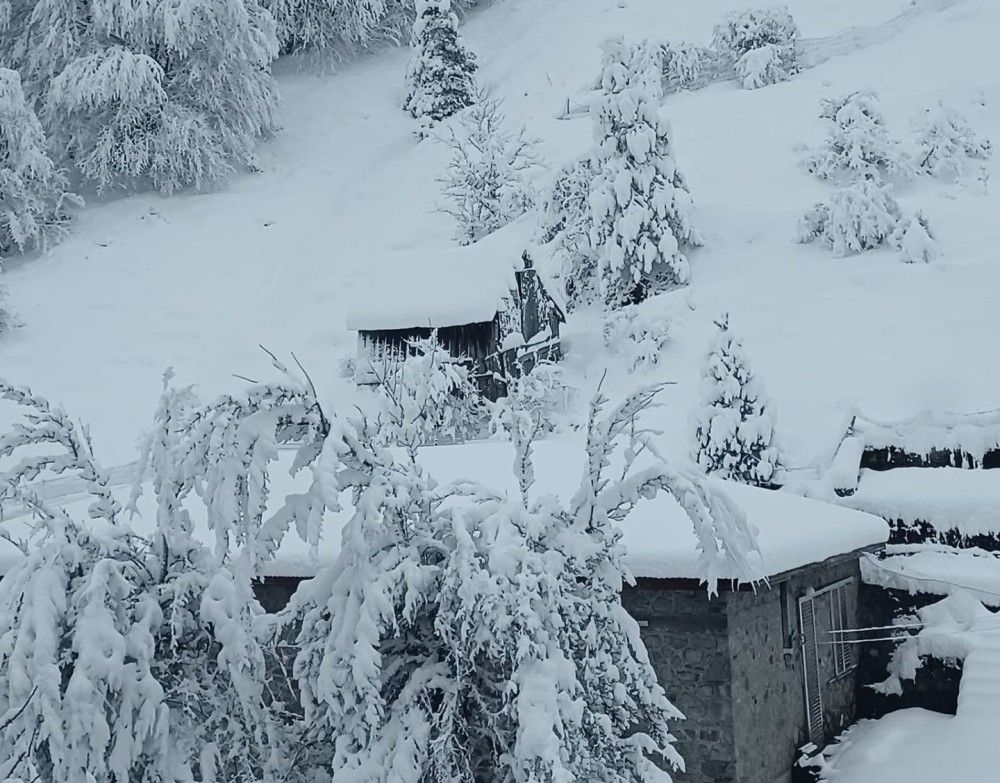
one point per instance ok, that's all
(759, 671)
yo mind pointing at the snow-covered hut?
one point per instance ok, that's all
(488, 302)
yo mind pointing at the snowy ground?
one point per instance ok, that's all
(197, 281)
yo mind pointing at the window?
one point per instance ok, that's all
(843, 649)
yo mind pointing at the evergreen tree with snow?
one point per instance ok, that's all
(914, 240)
(761, 44)
(859, 217)
(734, 426)
(488, 183)
(640, 204)
(858, 144)
(331, 27)
(439, 78)
(34, 196)
(947, 143)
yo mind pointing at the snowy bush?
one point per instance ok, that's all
(947, 143)
(638, 334)
(488, 180)
(761, 43)
(34, 196)
(684, 65)
(914, 240)
(439, 78)
(565, 221)
(640, 204)
(858, 143)
(734, 426)
(172, 95)
(426, 396)
(761, 66)
(466, 635)
(859, 217)
(535, 404)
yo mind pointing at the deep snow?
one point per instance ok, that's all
(197, 281)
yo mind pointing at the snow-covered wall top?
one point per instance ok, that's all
(967, 500)
(444, 287)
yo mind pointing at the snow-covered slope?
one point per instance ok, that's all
(346, 192)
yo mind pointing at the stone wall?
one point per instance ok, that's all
(687, 639)
(767, 683)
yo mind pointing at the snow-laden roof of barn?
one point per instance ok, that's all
(442, 287)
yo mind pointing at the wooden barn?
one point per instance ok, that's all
(488, 303)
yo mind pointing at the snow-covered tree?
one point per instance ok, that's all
(638, 333)
(684, 65)
(535, 404)
(34, 196)
(734, 425)
(640, 203)
(440, 77)
(564, 222)
(464, 635)
(947, 142)
(859, 217)
(333, 27)
(488, 182)
(425, 395)
(761, 43)
(858, 143)
(168, 94)
(914, 240)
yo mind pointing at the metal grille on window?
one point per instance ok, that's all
(843, 650)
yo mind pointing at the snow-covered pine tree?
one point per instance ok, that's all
(34, 195)
(859, 217)
(914, 240)
(331, 27)
(858, 143)
(464, 635)
(439, 78)
(640, 204)
(565, 221)
(947, 142)
(734, 425)
(488, 183)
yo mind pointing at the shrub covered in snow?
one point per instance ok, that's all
(34, 197)
(488, 182)
(638, 333)
(859, 217)
(439, 78)
(175, 95)
(684, 65)
(426, 396)
(761, 43)
(734, 427)
(640, 203)
(914, 240)
(858, 143)
(947, 142)
(564, 221)
(536, 404)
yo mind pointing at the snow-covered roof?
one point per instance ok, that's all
(973, 433)
(792, 531)
(439, 287)
(967, 500)
(937, 570)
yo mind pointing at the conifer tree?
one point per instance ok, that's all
(34, 196)
(734, 427)
(640, 204)
(439, 79)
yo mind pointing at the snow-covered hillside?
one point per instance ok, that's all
(346, 196)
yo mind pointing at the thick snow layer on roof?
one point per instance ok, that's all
(937, 570)
(967, 500)
(974, 433)
(442, 287)
(792, 531)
